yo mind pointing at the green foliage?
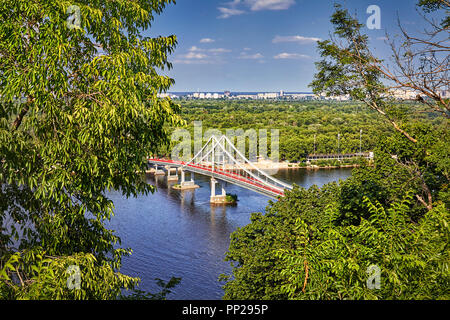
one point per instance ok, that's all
(256, 272)
(413, 258)
(435, 5)
(231, 197)
(79, 114)
(347, 69)
(165, 290)
(47, 277)
(295, 251)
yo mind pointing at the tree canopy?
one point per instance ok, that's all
(79, 114)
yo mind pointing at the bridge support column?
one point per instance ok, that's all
(158, 172)
(185, 185)
(217, 199)
(172, 178)
(223, 191)
(213, 187)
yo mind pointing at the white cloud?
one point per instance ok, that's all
(299, 39)
(218, 50)
(195, 49)
(229, 12)
(258, 5)
(194, 55)
(188, 61)
(286, 55)
(207, 40)
(238, 7)
(255, 56)
(212, 50)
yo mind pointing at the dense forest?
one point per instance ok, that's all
(305, 127)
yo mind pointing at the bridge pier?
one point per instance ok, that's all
(169, 177)
(158, 172)
(217, 199)
(186, 185)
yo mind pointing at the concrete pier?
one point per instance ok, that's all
(157, 172)
(217, 199)
(186, 185)
(172, 177)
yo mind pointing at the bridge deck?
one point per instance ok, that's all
(224, 175)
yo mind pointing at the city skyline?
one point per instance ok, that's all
(261, 46)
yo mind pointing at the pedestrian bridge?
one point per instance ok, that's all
(219, 159)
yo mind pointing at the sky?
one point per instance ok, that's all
(262, 45)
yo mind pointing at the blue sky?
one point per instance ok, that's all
(261, 45)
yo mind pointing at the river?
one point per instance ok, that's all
(178, 233)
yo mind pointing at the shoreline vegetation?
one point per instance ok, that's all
(311, 166)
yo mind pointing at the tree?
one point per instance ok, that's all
(79, 114)
(296, 251)
(421, 65)
(256, 269)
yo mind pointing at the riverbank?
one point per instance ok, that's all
(269, 165)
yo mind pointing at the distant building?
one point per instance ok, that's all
(268, 95)
(227, 93)
(403, 94)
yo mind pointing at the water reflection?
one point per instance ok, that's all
(178, 233)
